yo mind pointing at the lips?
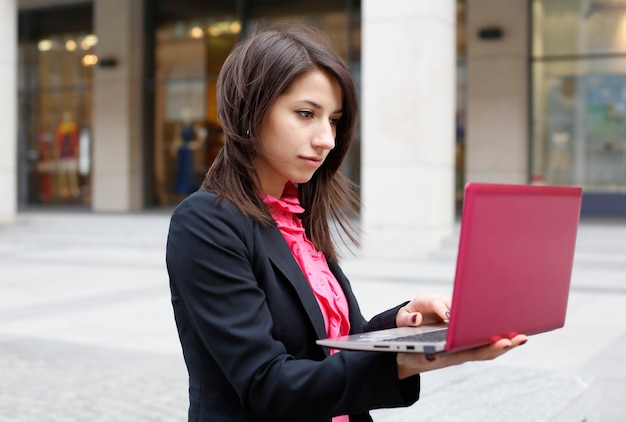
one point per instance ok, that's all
(316, 161)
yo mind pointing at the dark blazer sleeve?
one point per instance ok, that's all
(221, 275)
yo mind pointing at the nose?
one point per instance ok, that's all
(325, 136)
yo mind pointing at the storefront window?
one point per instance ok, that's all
(189, 52)
(55, 103)
(579, 94)
(187, 135)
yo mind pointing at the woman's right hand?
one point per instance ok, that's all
(415, 363)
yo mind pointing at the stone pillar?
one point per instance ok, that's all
(497, 97)
(8, 111)
(117, 108)
(407, 122)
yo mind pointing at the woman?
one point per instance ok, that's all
(253, 270)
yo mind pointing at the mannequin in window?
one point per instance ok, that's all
(561, 130)
(187, 139)
(67, 157)
(45, 165)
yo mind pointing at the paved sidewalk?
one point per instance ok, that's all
(87, 333)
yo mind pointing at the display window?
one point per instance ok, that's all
(579, 95)
(55, 104)
(187, 134)
(189, 50)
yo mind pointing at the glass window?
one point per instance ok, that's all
(55, 103)
(578, 27)
(187, 135)
(579, 95)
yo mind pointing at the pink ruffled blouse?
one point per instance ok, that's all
(325, 286)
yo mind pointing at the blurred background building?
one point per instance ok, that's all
(115, 101)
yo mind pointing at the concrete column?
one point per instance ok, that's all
(407, 121)
(8, 113)
(117, 109)
(497, 97)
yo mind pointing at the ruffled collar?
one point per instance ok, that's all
(288, 202)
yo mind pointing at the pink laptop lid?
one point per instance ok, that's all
(514, 263)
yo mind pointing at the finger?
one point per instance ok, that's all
(504, 345)
(411, 319)
(441, 306)
(441, 311)
(501, 346)
(519, 340)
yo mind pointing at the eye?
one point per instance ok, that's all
(335, 120)
(307, 114)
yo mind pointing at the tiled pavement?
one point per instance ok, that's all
(87, 333)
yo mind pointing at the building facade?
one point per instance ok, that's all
(115, 106)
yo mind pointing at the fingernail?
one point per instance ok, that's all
(414, 318)
(448, 314)
(523, 342)
(429, 357)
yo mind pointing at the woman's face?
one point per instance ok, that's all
(298, 131)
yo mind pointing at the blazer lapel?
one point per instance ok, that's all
(282, 258)
(357, 322)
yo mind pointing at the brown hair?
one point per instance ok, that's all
(257, 71)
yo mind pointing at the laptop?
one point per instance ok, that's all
(513, 271)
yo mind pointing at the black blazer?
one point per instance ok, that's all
(248, 320)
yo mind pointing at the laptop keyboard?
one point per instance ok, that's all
(431, 336)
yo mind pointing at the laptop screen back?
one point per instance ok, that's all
(514, 263)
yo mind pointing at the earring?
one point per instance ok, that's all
(248, 133)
